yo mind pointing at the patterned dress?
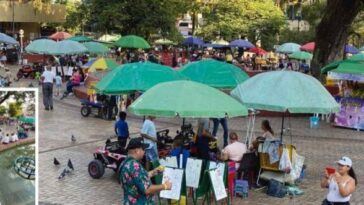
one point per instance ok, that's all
(135, 181)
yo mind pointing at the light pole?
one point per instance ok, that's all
(13, 17)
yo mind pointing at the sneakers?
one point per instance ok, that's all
(47, 108)
(51, 107)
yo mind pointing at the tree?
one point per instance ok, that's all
(260, 19)
(2, 110)
(15, 109)
(333, 31)
(139, 17)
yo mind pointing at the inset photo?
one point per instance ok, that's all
(18, 146)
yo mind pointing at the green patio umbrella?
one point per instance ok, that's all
(96, 48)
(135, 77)
(132, 41)
(285, 91)
(163, 41)
(357, 57)
(301, 55)
(80, 39)
(350, 68)
(68, 47)
(41, 46)
(187, 99)
(214, 73)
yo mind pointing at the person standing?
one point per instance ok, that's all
(58, 83)
(135, 180)
(122, 129)
(149, 134)
(341, 184)
(224, 125)
(48, 77)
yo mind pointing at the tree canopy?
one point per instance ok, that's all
(261, 19)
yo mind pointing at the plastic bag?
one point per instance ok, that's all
(285, 163)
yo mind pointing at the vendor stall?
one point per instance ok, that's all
(350, 98)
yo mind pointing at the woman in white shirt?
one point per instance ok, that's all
(267, 129)
(341, 184)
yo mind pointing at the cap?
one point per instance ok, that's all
(136, 143)
(346, 161)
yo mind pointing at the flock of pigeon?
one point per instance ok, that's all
(69, 169)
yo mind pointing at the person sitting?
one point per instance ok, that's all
(75, 80)
(234, 151)
(206, 144)
(6, 139)
(178, 150)
(14, 137)
(22, 134)
(267, 129)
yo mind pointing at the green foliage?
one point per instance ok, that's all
(300, 37)
(2, 110)
(15, 109)
(242, 17)
(139, 17)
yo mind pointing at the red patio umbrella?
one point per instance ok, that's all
(310, 47)
(257, 50)
(58, 36)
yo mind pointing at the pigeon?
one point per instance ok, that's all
(73, 138)
(70, 165)
(63, 174)
(56, 162)
(31, 85)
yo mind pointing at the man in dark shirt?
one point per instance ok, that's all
(122, 129)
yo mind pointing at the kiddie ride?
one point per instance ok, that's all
(109, 156)
(96, 108)
(29, 71)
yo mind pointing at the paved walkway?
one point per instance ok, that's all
(321, 147)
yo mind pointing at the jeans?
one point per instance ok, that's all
(224, 125)
(70, 85)
(48, 95)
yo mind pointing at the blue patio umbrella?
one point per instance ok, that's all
(190, 41)
(214, 45)
(7, 39)
(241, 44)
(351, 49)
(89, 63)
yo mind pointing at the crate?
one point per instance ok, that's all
(264, 158)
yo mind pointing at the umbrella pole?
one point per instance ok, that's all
(282, 127)
(183, 121)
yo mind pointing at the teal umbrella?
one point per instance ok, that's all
(132, 41)
(28, 120)
(96, 48)
(41, 46)
(68, 47)
(214, 73)
(135, 77)
(288, 48)
(80, 38)
(301, 55)
(187, 99)
(285, 91)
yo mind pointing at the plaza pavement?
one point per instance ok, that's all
(321, 147)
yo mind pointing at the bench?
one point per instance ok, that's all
(81, 91)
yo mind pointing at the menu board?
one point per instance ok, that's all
(193, 172)
(169, 161)
(174, 176)
(218, 184)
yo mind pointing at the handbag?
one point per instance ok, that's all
(276, 189)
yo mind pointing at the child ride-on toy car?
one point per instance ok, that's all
(89, 107)
(109, 156)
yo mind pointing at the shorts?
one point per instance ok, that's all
(58, 85)
(151, 153)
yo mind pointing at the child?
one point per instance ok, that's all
(37, 77)
(21, 133)
(58, 83)
(5, 140)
